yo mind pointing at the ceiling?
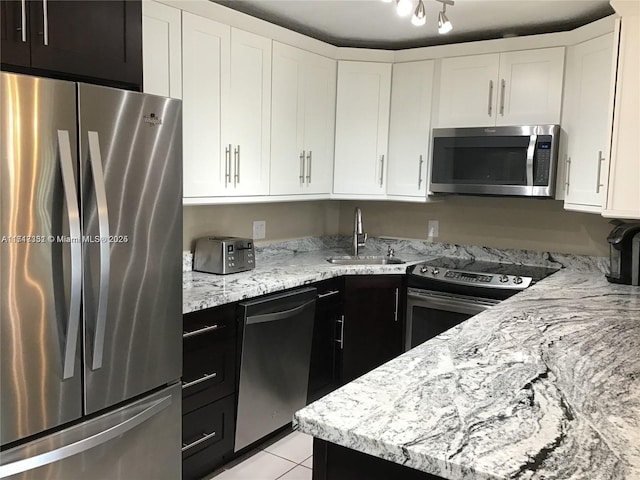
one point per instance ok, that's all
(374, 23)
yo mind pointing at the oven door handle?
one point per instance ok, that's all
(450, 303)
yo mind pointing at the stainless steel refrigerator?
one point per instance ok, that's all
(91, 292)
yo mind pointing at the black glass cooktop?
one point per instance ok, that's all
(491, 268)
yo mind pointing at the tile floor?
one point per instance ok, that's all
(285, 457)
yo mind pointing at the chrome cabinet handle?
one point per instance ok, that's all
(202, 330)
(340, 341)
(420, 172)
(302, 167)
(568, 177)
(600, 160)
(207, 376)
(23, 22)
(309, 167)
(236, 175)
(204, 438)
(396, 311)
(81, 446)
(227, 165)
(95, 159)
(328, 294)
(45, 20)
(381, 169)
(490, 107)
(503, 86)
(73, 213)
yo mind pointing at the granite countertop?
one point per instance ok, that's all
(281, 267)
(298, 262)
(545, 385)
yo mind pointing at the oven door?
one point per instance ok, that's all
(430, 313)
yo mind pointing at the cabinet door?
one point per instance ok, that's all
(362, 127)
(587, 123)
(623, 194)
(14, 33)
(410, 128)
(468, 91)
(530, 87)
(319, 122)
(247, 126)
(205, 80)
(372, 330)
(93, 39)
(287, 120)
(162, 48)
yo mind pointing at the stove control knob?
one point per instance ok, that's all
(504, 278)
(517, 280)
(436, 270)
(424, 269)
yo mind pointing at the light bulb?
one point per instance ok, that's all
(404, 7)
(444, 25)
(419, 16)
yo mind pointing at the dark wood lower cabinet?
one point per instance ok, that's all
(334, 462)
(209, 389)
(373, 323)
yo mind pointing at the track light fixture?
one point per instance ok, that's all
(419, 18)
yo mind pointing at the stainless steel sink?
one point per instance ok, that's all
(365, 260)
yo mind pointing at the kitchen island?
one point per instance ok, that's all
(544, 385)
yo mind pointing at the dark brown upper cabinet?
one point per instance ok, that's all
(93, 41)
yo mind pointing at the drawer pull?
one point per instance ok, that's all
(202, 330)
(207, 376)
(204, 438)
(328, 294)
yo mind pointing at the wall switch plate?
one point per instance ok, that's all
(433, 228)
(259, 229)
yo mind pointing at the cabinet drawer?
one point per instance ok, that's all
(207, 435)
(209, 371)
(217, 323)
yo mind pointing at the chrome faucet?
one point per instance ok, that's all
(359, 238)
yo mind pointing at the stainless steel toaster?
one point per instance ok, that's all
(223, 255)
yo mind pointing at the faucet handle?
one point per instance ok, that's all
(361, 239)
(390, 251)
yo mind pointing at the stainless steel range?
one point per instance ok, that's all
(446, 291)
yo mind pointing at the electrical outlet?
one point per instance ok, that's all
(259, 229)
(432, 228)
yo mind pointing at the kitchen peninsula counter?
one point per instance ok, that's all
(545, 385)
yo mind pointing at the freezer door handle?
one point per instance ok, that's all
(95, 159)
(73, 213)
(75, 448)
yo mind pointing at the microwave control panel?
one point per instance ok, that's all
(542, 160)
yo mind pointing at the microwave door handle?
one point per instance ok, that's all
(531, 150)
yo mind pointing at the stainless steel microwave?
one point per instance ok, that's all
(511, 161)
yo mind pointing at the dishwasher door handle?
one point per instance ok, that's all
(272, 317)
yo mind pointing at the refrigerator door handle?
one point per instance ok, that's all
(75, 448)
(73, 213)
(95, 159)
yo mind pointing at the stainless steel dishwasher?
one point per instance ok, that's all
(274, 367)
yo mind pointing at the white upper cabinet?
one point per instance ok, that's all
(587, 122)
(247, 128)
(302, 121)
(362, 128)
(512, 88)
(226, 109)
(410, 128)
(162, 49)
(623, 193)
(206, 48)
(468, 91)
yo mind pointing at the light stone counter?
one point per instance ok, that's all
(546, 385)
(299, 262)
